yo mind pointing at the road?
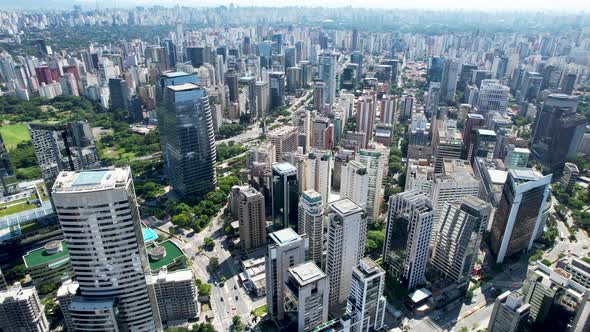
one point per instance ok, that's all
(224, 304)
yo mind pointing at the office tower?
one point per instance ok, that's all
(435, 69)
(186, 134)
(448, 143)
(176, 295)
(231, 80)
(355, 40)
(198, 55)
(419, 176)
(374, 162)
(519, 215)
(510, 313)
(448, 83)
(394, 64)
(286, 250)
(307, 295)
(419, 130)
(554, 297)
(357, 58)
(306, 71)
(110, 267)
(581, 322)
(285, 194)
(516, 157)
(7, 178)
(483, 144)
(407, 108)
(284, 139)
(347, 228)
(457, 243)
(479, 76)
(21, 310)
(569, 176)
(318, 175)
(530, 87)
(322, 136)
(465, 75)
(290, 57)
(557, 125)
(355, 182)
(311, 223)
(493, 96)
(365, 117)
(68, 147)
(327, 73)
(407, 237)
(348, 77)
(248, 85)
(262, 98)
(293, 79)
(119, 92)
(433, 98)
(389, 109)
(569, 82)
(366, 303)
(319, 95)
(277, 89)
(251, 217)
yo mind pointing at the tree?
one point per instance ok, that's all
(469, 296)
(237, 325)
(209, 244)
(213, 263)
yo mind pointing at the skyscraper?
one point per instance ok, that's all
(110, 266)
(7, 178)
(286, 250)
(119, 92)
(520, 212)
(284, 140)
(365, 117)
(448, 83)
(407, 237)
(311, 223)
(510, 313)
(327, 73)
(68, 147)
(277, 89)
(318, 175)
(557, 125)
(347, 228)
(366, 303)
(186, 134)
(251, 217)
(307, 291)
(355, 182)
(457, 242)
(285, 194)
(374, 161)
(21, 310)
(493, 96)
(357, 58)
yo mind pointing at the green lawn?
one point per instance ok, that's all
(20, 206)
(260, 311)
(14, 134)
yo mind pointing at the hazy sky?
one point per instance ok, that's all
(535, 5)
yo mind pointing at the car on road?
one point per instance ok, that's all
(221, 299)
(235, 286)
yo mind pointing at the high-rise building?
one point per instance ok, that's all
(389, 109)
(435, 69)
(68, 147)
(251, 217)
(21, 310)
(569, 176)
(311, 223)
(493, 96)
(186, 134)
(357, 58)
(374, 162)
(262, 98)
(327, 73)
(510, 313)
(457, 242)
(516, 157)
(448, 83)
(483, 144)
(248, 85)
(277, 89)
(318, 175)
(284, 139)
(519, 214)
(347, 228)
(433, 98)
(176, 295)
(319, 95)
(307, 295)
(557, 125)
(286, 250)
(285, 194)
(465, 75)
(294, 80)
(419, 176)
(365, 117)
(322, 135)
(110, 267)
(7, 177)
(366, 303)
(407, 237)
(448, 143)
(119, 93)
(355, 182)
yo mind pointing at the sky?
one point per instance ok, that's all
(534, 5)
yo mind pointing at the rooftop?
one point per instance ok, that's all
(90, 180)
(311, 196)
(183, 87)
(43, 256)
(285, 236)
(346, 206)
(173, 252)
(306, 273)
(174, 74)
(284, 168)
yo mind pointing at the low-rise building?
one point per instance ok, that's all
(49, 264)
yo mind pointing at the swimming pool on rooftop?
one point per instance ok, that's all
(149, 234)
(90, 178)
